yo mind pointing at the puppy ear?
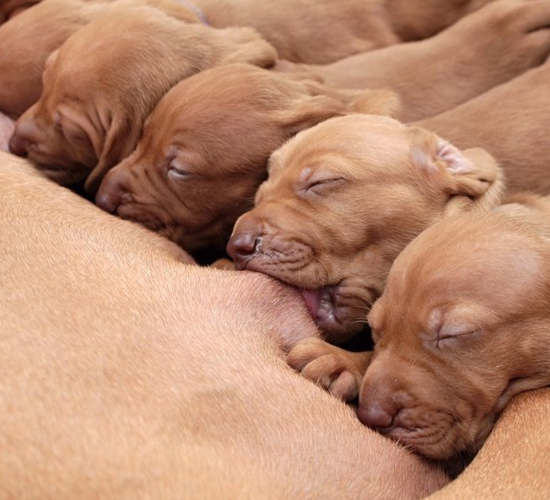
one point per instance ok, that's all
(119, 142)
(381, 102)
(472, 177)
(245, 45)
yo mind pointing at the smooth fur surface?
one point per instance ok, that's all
(482, 50)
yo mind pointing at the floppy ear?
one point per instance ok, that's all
(471, 177)
(245, 45)
(317, 102)
(120, 141)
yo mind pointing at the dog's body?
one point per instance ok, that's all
(483, 50)
(126, 374)
(92, 109)
(343, 199)
(322, 31)
(463, 325)
(213, 133)
(510, 122)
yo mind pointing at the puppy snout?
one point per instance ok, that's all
(110, 193)
(379, 415)
(19, 145)
(242, 246)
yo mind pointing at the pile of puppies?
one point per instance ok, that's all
(271, 122)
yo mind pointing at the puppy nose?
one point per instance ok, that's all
(109, 194)
(242, 246)
(19, 145)
(378, 415)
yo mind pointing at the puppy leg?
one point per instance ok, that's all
(338, 371)
(6, 130)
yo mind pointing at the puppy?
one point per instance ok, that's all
(213, 133)
(91, 111)
(343, 199)
(322, 31)
(28, 41)
(510, 122)
(485, 49)
(462, 327)
(6, 130)
(165, 380)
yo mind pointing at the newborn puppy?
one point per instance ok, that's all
(6, 130)
(322, 31)
(91, 111)
(511, 122)
(28, 40)
(485, 49)
(341, 202)
(26, 43)
(463, 326)
(205, 148)
(10, 8)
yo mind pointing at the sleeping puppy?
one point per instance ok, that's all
(28, 41)
(511, 122)
(91, 111)
(485, 49)
(462, 327)
(322, 31)
(341, 202)
(213, 133)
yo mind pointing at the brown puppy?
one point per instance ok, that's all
(125, 374)
(91, 112)
(322, 31)
(205, 148)
(511, 122)
(6, 130)
(10, 8)
(463, 326)
(343, 199)
(28, 41)
(483, 50)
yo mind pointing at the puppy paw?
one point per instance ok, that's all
(338, 371)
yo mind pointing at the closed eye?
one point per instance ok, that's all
(453, 335)
(178, 173)
(323, 185)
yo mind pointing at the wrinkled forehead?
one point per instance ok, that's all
(357, 139)
(485, 264)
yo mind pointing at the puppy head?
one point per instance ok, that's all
(205, 148)
(459, 330)
(343, 199)
(92, 108)
(27, 41)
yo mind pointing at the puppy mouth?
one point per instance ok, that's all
(328, 316)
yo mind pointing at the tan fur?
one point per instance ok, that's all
(342, 201)
(485, 49)
(509, 121)
(91, 112)
(218, 129)
(6, 130)
(11, 8)
(461, 328)
(322, 31)
(125, 374)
